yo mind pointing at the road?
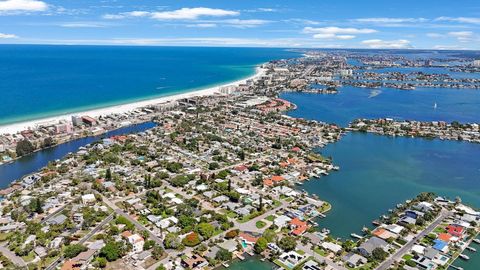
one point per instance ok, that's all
(18, 261)
(137, 224)
(399, 253)
(84, 239)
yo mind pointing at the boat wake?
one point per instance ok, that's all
(374, 93)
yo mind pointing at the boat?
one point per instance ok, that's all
(435, 106)
(463, 256)
(226, 265)
(376, 223)
(471, 249)
(476, 241)
(354, 235)
(325, 231)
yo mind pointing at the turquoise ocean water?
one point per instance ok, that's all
(38, 81)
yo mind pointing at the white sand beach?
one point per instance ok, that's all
(16, 127)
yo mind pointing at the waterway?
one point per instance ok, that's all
(37, 160)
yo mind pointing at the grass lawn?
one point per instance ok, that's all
(30, 256)
(231, 214)
(271, 218)
(299, 251)
(439, 229)
(407, 257)
(320, 252)
(4, 236)
(260, 224)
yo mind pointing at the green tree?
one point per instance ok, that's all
(287, 243)
(73, 250)
(379, 254)
(206, 230)
(24, 147)
(112, 251)
(223, 255)
(101, 262)
(260, 245)
(171, 241)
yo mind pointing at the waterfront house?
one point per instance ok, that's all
(456, 230)
(230, 245)
(298, 227)
(335, 248)
(440, 245)
(194, 262)
(311, 265)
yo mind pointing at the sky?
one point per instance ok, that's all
(402, 24)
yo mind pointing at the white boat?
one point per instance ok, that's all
(435, 106)
(463, 256)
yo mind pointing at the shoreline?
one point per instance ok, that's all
(122, 108)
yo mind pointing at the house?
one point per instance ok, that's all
(368, 246)
(405, 220)
(135, 240)
(244, 210)
(424, 263)
(220, 199)
(40, 251)
(88, 199)
(247, 238)
(230, 245)
(57, 220)
(298, 227)
(335, 248)
(354, 260)
(56, 242)
(194, 262)
(456, 230)
(281, 221)
(311, 265)
(440, 245)
(80, 262)
(291, 259)
(384, 234)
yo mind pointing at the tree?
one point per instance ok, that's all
(213, 166)
(379, 254)
(108, 175)
(24, 147)
(101, 262)
(148, 244)
(171, 241)
(223, 255)
(157, 252)
(112, 251)
(206, 230)
(73, 250)
(191, 240)
(260, 245)
(287, 243)
(231, 234)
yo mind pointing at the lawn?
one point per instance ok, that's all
(30, 256)
(260, 224)
(271, 218)
(320, 252)
(407, 257)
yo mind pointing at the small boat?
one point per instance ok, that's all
(435, 106)
(226, 265)
(476, 241)
(463, 256)
(471, 249)
(354, 235)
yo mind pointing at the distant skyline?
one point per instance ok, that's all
(406, 24)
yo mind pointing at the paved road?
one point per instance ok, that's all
(137, 224)
(18, 261)
(84, 239)
(397, 255)
(55, 213)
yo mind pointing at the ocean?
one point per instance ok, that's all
(39, 81)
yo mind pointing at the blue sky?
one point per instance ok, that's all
(420, 24)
